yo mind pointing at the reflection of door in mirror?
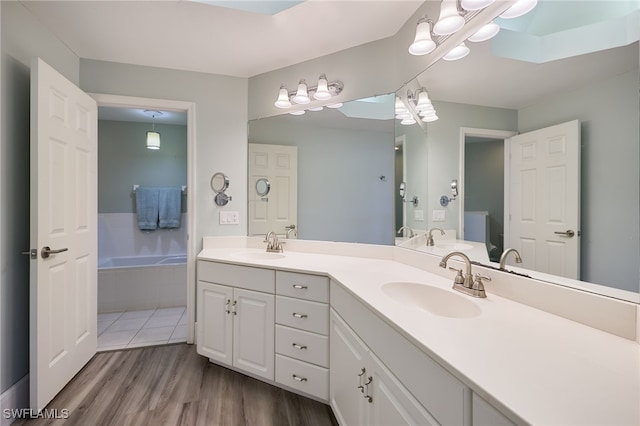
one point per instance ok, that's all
(400, 181)
(277, 164)
(544, 204)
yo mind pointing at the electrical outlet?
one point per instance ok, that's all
(418, 215)
(233, 218)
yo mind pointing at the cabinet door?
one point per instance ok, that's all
(348, 356)
(254, 332)
(214, 322)
(392, 404)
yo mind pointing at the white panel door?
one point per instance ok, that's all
(215, 322)
(254, 332)
(63, 296)
(279, 208)
(544, 202)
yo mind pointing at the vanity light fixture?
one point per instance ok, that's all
(450, 20)
(519, 8)
(408, 121)
(475, 4)
(458, 52)
(301, 112)
(324, 91)
(153, 137)
(336, 105)
(423, 42)
(318, 108)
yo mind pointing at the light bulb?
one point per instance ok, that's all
(450, 20)
(457, 52)
(322, 93)
(422, 44)
(301, 97)
(486, 32)
(153, 140)
(519, 8)
(283, 98)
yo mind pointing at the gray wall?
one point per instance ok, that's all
(124, 161)
(608, 112)
(221, 128)
(340, 194)
(484, 185)
(22, 38)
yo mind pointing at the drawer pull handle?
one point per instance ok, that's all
(300, 347)
(361, 387)
(300, 287)
(366, 391)
(227, 310)
(297, 315)
(298, 378)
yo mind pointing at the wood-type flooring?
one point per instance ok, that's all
(173, 385)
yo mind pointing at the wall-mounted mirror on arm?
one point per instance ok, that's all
(219, 184)
(541, 73)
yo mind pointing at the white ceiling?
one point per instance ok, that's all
(189, 35)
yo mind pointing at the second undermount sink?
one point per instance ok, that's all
(435, 300)
(454, 246)
(258, 255)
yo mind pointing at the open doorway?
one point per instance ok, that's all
(175, 251)
(483, 155)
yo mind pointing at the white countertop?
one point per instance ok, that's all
(543, 368)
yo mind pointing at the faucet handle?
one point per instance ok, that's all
(478, 284)
(459, 279)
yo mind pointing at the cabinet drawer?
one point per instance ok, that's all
(302, 376)
(303, 286)
(257, 279)
(303, 314)
(302, 345)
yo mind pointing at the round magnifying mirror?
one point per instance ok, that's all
(263, 187)
(222, 199)
(403, 187)
(219, 182)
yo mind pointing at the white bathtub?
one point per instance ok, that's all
(141, 282)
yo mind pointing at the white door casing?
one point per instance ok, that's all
(545, 199)
(279, 208)
(63, 296)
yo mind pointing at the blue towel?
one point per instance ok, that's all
(169, 207)
(147, 208)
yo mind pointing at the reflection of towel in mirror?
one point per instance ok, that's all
(147, 208)
(169, 207)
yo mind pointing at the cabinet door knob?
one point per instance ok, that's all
(297, 315)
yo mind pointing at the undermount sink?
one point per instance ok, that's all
(258, 255)
(433, 299)
(454, 246)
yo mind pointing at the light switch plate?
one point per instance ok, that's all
(418, 215)
(439, 215)
(229, 218)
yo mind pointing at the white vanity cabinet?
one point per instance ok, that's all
(302, 328)
(419, 391)
(235, 316)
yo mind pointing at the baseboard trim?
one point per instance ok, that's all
(17, 396)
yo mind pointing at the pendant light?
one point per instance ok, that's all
(153, 137)
(485, 32)
(450, 20)
(519, 8)
(457, 52)
(423, 43)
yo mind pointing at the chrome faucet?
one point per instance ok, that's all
(273, 244)
(503, 257)
(466, 284)
(430, 242)
(292, 231)
(411, 233)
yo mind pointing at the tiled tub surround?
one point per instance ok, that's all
(140, 279)
(521, 354)
(149, 327)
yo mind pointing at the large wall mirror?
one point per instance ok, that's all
(350, 165)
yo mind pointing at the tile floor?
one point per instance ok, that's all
(134, 329)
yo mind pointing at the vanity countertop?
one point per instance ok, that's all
(538, 367)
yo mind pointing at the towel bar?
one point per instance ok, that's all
(184, 189)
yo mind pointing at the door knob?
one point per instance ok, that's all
(46, 251)
(569, 233)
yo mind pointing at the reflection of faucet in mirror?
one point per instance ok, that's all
(466, 283)
(292, 231)
(402, 228)
(430, 242)
(505, 253)
(273, 245)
